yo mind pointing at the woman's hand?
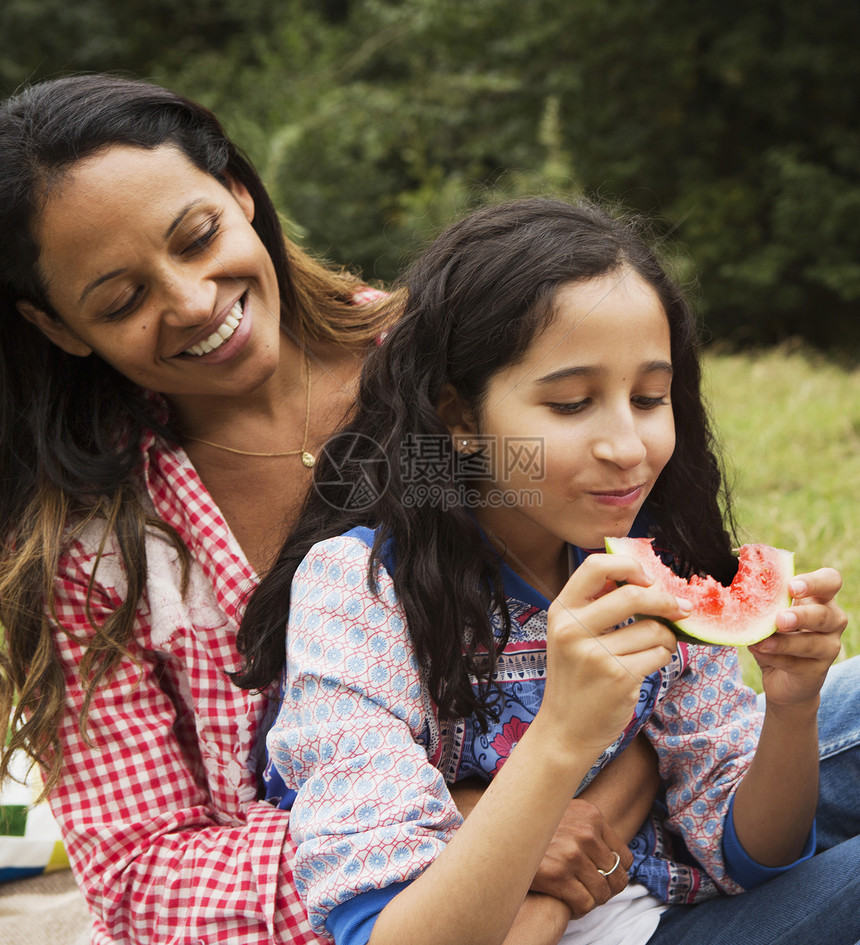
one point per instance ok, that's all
(795, 659)
(583, 844)
(596, 825)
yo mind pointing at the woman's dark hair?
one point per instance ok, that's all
(474, 302)
(71, 428)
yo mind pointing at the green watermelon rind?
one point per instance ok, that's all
(692, 630)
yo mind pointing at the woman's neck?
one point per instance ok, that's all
(271, 406)
(260, 495)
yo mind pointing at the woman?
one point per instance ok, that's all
(170, 366)
(158, 336)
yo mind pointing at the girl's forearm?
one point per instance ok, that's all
(492, 858)
(542, 920)
(625, 790)
(775, 804)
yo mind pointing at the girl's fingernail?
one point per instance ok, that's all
(787, 620)
(797, 588)
(684, 604)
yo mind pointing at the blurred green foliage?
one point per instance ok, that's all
(734, 127)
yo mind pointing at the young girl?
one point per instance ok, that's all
(446, 619)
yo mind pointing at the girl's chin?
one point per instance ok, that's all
(596, 540)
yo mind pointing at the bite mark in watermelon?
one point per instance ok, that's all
(738, 615)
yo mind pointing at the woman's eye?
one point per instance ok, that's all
(571, 407)
(202, 237)
(126, 308)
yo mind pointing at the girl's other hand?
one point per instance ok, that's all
(595, 671)
(795, 660)
(583, 844)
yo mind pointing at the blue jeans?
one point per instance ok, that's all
(838, 815)
(819, 900)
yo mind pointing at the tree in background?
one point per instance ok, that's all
(735, 126)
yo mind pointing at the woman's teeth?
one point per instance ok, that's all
(224, 333)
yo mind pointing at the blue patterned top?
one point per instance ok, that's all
(359, 740)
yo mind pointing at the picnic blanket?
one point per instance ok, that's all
(43, 909)
(30, 842)
(39, 901)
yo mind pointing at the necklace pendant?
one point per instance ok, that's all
(308, 459)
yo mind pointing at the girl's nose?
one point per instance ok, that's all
(620, 443)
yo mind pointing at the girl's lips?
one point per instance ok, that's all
(619, 497)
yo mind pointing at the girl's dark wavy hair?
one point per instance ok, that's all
(473, 304)
(71, 428)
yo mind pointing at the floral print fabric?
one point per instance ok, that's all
(358, 737)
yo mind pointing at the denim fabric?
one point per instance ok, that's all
(837, 817)
(838, 814)
(816, 901)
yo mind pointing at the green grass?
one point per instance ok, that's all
(789, 424)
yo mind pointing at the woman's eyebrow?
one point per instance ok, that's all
(97, 282)
(180, 217)
(183, 213)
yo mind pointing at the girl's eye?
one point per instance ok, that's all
(568, 408)
(126, 308)
(647, 403)
(202, 237)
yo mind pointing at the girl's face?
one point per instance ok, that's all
(582, 426)
(154, 265)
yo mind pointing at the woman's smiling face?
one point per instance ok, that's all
(594, 389)
(154, 265)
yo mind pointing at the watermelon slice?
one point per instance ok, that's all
(738, 615)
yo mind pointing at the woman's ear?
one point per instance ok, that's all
(54, 330)
(242, 195)
(457, 417)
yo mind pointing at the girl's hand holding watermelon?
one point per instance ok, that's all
(795, 659)
(594, 671)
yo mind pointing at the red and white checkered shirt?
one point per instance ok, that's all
(159, 812)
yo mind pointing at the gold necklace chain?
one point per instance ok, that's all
(308, 458)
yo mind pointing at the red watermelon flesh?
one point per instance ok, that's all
(738, 615)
